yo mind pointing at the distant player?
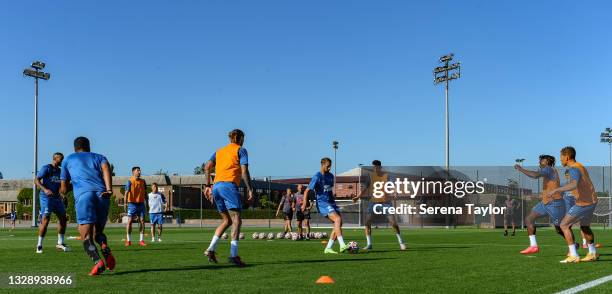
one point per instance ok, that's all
(48, 181)
(322, 183)
(13, 219)
(157, 205)
(552, 204)
(287, 203)
(374, 176)
(302, 217)
(570, 201)
(582, 212)
(512, 205)
(90, 175)
(134, 196)
(230, 163)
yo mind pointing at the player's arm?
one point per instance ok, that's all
(208, 168)
(366, 186)
(243, 157)
(64, 178)
(529, 173)
(39, 184)
(280, 203)
(304, 207)
(125, 194)
(106, 176)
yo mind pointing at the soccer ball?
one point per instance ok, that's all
(262, 235)
(241, 236)
(255, 236)
(324, 235)
(288, 236)
(224, 236)
(280, 236)
(270, 236)
(318, 235)
(353, 247)
(294, 236)
(311, 235)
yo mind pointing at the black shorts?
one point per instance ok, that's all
(288, 215)
(300, 216)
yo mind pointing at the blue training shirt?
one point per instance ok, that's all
(548, 173)
(84, 169)
(323, 185)
(50, 177)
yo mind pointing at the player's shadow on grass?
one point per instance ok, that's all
(413, 249)
(183, 268)
(326, 260)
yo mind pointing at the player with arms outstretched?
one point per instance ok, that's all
(322, 183)
(230, 163)
(90, 175)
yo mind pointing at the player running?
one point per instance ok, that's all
(48, 181)
(134, 196)
(570, 201)
(157, 205)
(586, 200)
(322, 183)
(552, 204)
(90, 175)
(302, 217)
(230, 163)
(512, 205)
(288, 204)
(374, 176)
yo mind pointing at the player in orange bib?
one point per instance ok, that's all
(582, 188)
(134, 197)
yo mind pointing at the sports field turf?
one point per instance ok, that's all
(438, 260)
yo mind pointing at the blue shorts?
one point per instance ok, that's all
(379, 208)
(156, 218)
(226, 196)
(583, 213)
(570, 201)
(136, 209)
(325, 208)
(91, 208)
(50, 205)
(555, 209)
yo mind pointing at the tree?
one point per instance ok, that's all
(198, 170)
(161, 172)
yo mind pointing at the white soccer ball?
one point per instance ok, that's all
(311, 235)
(241, 236)
(270, 236)
(280, 236)
(288, 236)
(255, 236)
(324, 235)
(353, 247)
(295, 236)
(262, 235)
(224, 236)
(318, 235)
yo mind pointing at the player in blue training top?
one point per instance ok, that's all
(322, 183)
(90, 175)
(13, 219)
(48, 181)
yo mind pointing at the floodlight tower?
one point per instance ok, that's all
(519, 161)
(35, 72)
(606, 137)
(335, 146)
(444, 74)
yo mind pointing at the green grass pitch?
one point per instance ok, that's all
(437, 261)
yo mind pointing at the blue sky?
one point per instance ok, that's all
(160, 83)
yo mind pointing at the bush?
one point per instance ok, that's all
(25, 195)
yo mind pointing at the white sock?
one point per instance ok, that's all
(141, 236)
(399, 238)
(369, 239)
(213, 243)
(40, 240)
(532, 240)
(572, 250)
(330, 244)
(60, 239)
(234, 248)
(592, 248)
(129, 238)
(341, 241)
(584, 241)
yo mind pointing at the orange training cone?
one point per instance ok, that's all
(325, 280)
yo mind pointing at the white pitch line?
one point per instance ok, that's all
(587, 285)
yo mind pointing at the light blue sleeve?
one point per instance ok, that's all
(128, 185)
(43, 172)
(213, 157)
(243, 156)
(65, 174)
(313, 181)
(547, 172)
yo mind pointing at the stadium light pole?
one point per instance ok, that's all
(444, 74)
(335, 146)
(35, 71)
(606, 137)
(519, 161)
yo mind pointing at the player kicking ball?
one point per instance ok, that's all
(134, 196)
(377, 175)
(322, 183)
(90, 175)
(230, 163)
(582, 212)
(551, 204)
(157, 205)
(48, 181)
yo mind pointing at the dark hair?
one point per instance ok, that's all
(569, 151)
(58, 154)
(549, 159)
(154, 184)
(376, 162)
(135, 168)
(82, 143)
(236, 135)
(325, 159)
